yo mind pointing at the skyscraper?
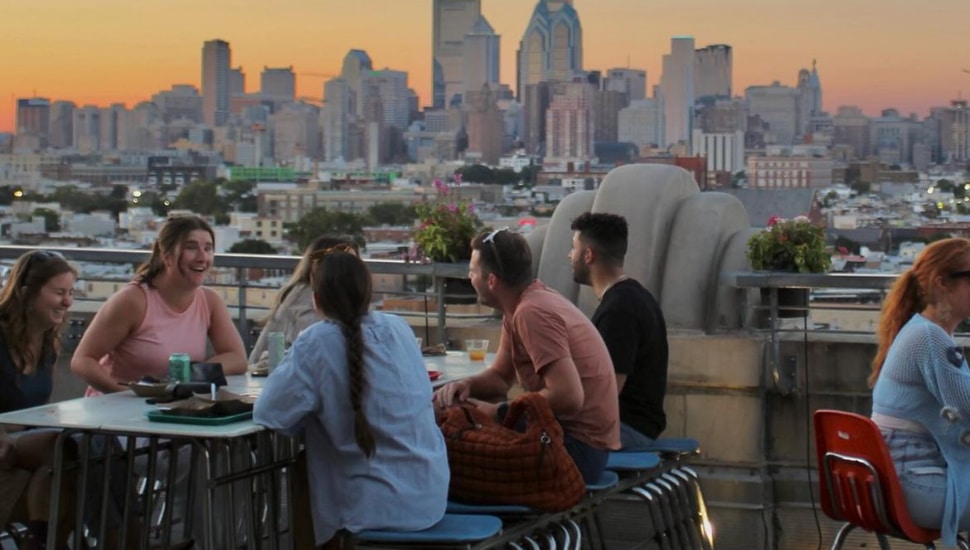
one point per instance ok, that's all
(237, 82)
(216, 60)
(33, 117)
(632, 82)
(451, 21)
(713, 72)
(481, 57)
(278, 84)
(356, 64)
(677, 90)
(336, 117)
(551, 47)
(571, 123)
(485, 126)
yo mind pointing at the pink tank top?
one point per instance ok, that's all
(162, 332)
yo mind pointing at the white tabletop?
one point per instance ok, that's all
(454, 365)
(124, 412)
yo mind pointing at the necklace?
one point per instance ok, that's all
(619, 279)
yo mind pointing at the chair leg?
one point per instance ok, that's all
(962, 543)
(841, 536)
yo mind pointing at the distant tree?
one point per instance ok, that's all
(861, 187)
(477, 173)
(52, 220)
(944, 185)
(392, 213)
(505, 176)
(119, 191)
(201, 197)
(240, 195)
(252, 246)
(529, 175)
(321, 221)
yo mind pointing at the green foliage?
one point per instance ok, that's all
(789, 245)
(252, 246)
(321, 221)
(861, 187)
(52, 220)
(446, 227)
(239, 195)
(201, 197)
(392, 213)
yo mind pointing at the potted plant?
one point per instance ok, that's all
(791, 245)
(445, 228)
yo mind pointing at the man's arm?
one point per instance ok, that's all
(563, 388)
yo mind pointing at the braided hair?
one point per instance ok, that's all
(342, 290)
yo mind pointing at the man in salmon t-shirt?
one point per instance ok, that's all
(548, 346)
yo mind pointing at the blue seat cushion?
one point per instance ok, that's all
(606, 480)
(632, 462)
(497, 509)
(680, 445)
(451, 528)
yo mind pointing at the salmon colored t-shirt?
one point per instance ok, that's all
(161, 333)
(546, 327)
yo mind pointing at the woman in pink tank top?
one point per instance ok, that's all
(165, 310)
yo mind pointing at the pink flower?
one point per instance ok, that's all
(773, 220)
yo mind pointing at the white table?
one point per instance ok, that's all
(454, 365)
(123, 414)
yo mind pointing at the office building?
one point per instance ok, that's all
(632, 82)
(216, 60)
(777, 106)
(641, 123)
(552, 45)
(356, 64)
(237, 82)
(181, 102)
(451, 21)
(278, 84)
(481, 57)
(677, 90)
(571, 123)
(60, 133)
(486, 128)
(713, 72)
(33, 118)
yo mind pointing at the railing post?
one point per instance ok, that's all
(241, 278)
(439, 292)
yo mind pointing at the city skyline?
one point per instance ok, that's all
(904, 55)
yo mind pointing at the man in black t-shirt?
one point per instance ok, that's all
(630, 321)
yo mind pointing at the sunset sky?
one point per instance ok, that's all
(872, 53)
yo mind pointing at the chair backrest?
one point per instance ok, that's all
(857, 479)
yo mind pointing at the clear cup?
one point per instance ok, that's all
(276, 344)
(419, 341)
(476, 348)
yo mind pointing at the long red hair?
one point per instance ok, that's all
(914, 290)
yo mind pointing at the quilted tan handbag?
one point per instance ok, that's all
(493, 463)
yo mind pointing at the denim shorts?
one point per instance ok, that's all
(922, 475)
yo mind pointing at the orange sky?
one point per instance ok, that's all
(871, 53)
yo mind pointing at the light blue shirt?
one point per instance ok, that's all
(404, 485)
(925, 378)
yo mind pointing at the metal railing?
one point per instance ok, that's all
(242, 263)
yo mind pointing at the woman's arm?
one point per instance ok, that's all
(289, 395)
(117, 318)
(226, 342)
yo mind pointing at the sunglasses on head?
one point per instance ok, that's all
(38, 256)
(959, 275)
(342, 247)
(490, 239)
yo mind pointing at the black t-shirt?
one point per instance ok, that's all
(18, 391)
(633, 327)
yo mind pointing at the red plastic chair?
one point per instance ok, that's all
(858, 482)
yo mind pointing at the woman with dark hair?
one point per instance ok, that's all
(921, 386)
(33, 308)
(293, 308)
(165, 310)
(356, 386)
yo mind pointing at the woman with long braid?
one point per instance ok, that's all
(355, 385)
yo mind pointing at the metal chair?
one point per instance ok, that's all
(858, 482)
